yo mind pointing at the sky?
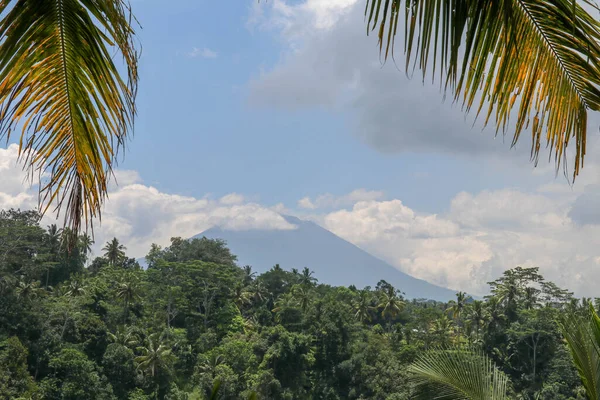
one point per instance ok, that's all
(249, 109)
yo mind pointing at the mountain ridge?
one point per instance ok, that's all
(334, 260)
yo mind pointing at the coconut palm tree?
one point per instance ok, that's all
(582, 334)
(457, 306)
(128, 291)
(284, 302)
(458, 374)
(85, 244)
(259, 291)
(76, 287)
(362, 305)
(442, 329)
(535, 60)
(467, 373)
(125, 336)
(241, 296)
(476, 316)
(155, 354)
(248, 274)
(390, 303)
(54, 235)
(28, 290)
(63, 92)
(208, 365)
(303, 296)
(114, 252)
(307, 278)
(54, 238)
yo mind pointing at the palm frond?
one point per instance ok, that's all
(536, 59)
(60, 87)
(583, 339)
(458, 374)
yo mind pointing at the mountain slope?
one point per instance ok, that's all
(334, 260)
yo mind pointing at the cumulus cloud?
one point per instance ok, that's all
(13, 181)
(339, 67)
(204, 53)
(232, 199)
(479, 237)
(138, 214)
(329, 200)
(586, 208)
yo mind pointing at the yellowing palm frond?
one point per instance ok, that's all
(536, 59)
(458, 374)
(60, 87)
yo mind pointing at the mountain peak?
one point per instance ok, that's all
(334, 260)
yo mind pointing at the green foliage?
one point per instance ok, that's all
(195, 321)
(15, 380)
(535, 61)
(458, 374)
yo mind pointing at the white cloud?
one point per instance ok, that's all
(139, 215)
(482, 235)
(329, 200)
(338, 67)
(13, 181)
(232, 199)
(203, 52)
(306, 203)
(124, 177)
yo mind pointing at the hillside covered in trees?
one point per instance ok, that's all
(77, 327)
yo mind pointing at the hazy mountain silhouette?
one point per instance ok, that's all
(334, 260)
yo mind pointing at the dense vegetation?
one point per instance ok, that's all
(73, 327)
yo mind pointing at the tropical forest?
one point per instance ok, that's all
(195, 325)
(395, 254)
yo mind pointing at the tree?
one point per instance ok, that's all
(28, 290)
(74, 376)
(306, 277)
(459, 374)
(196, 249)
(541, 56)
(54, 239)
(128, 291)
(303, 296)
(582, 333)
(390, 303)
(241, 296)
(85, 243)
(114, 252)
(284, 303)
(15, 381)
(458, 306)
(155, 355)
(476, 317)
(119, 367)
(248, 274)
(124, 336)
(72, 104)
(76, 287)
(362, 305)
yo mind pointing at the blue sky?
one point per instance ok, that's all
(204, 135)
(248, 110)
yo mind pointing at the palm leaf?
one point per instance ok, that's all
(60, 87)
(583, 339)
(536, 59)
(458, 374)
(214, 395)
